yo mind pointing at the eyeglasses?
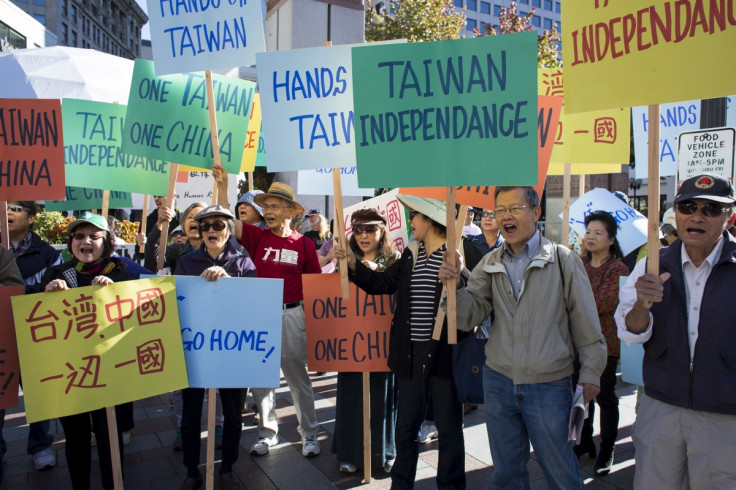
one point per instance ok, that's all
(82, 236)
(364, 230)
(513, 210)
(412, 214)
(272, 207)
(217, 226)
(709, 209)
(15, 208)
(487, 214)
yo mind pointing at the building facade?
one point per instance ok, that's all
(111, 26)
(482, 12)
(18, 30)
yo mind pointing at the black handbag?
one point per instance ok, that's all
(468, 357)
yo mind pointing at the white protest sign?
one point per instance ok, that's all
(199, 187)
(393, 210)
(319, 182)
(204, 34)
(674, 119)
(708, 151)
(632, 231)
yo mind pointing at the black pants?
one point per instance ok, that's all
(448, 417)
(78, 451)
(608, 403)
(191, 416)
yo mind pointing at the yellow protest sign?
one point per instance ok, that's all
(631, 53)
(585, 168)
(251, 138)
(98, 346)
(589, 137)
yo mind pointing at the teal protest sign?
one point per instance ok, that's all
(168, 117)
(80, 198)
(93, 133)
(447, 113)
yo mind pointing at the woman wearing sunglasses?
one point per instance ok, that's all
(91, 245)
(372, 246)
(215, 258)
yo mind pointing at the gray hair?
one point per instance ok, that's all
(530, 195)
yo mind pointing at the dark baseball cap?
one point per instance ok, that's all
(710, 187)
(314, 211)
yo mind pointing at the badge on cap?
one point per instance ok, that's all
(705, 182)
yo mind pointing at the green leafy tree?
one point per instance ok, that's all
(414, 20)
(549, 54)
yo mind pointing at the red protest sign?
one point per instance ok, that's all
(482, 196)
(9, 366)
(31, 150)
(345, 335)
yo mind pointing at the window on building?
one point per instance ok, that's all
(40, 18)
(471, 25)
(537, 3)
(558, 8)
(74, 39)
(73, 11)
(64, 33)
(525, 2)
(64, 7)
(497, 10)
(39, 2)
(11, 36)
(456, 3)
(536, 21)
(548, 24)
(485, 8)
(548, 5)
(522, 13)
(471, 5)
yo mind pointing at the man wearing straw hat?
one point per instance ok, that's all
(279, 252)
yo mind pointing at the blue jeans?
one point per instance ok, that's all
(517, 414)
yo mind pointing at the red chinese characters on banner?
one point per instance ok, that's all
(605, 130)
(151, 307)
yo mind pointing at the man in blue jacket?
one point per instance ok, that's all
(33, 256)
(686, 424)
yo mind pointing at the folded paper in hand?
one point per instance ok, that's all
(578, 414)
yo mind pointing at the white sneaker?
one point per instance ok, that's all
(310, 446)
(126, 438)
(44, 459)
(263, 444)
(428, 433)
(346, 467)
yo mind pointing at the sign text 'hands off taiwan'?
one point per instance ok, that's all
(444, 113)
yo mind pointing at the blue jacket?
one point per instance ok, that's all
(35, 260)
(235, 263)
(708, 381)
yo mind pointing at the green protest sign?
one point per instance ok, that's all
(447, 113)
(93, 133)
(80, 198)
(168, 117)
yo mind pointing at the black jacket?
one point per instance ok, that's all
(35, 260)
(397, 279)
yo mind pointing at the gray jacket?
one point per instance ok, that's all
(534, 339)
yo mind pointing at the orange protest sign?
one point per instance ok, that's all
(345, 335)
(31, 150)
(9, 367)
(482, 196)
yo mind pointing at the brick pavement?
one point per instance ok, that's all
(150, 462)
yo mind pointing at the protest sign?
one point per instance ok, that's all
(632, 230)
(204, 35)
(93, 133)
(590, 137)
(427, 113)
(198, 187)
(623, 54)
(81, 198)
(584, 168)
(253, 138)
(31, 150)
(708, 151)
(319, 182)
(9, 368)
(396, 224)
(345, 335)
(227, 350)
(100, 346)
(482, 196)
(168, 117)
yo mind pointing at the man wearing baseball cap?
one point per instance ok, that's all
(686, 424)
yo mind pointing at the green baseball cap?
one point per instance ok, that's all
(93, 219)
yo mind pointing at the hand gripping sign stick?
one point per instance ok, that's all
(454, 233)
(653, 192)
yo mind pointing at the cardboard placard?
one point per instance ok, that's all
(9, 366)
(81, 198)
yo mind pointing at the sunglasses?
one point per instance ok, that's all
(82, 236)
(364, 229)
(709, 209)
(217, 226)
(487, 214)
(15, 208)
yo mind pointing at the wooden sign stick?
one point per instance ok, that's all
(210, 466)
(339, 235)
(213, 129)
(250, 181)
(366, 427)
(653, 193)
(105, 203)
(112, 431)
(144, 217)
(4, 224)
(565, 233)
(459, 224)
(165, 227)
